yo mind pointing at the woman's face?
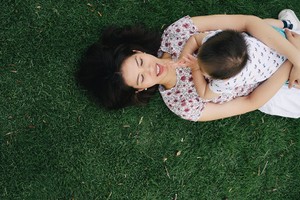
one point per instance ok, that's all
(143, 70)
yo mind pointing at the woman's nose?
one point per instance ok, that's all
(146, 70)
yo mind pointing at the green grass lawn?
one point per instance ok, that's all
(56, 144)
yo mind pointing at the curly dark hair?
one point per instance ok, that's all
(100, 66)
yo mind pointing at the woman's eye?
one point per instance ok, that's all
(142, 78)
(141, 61)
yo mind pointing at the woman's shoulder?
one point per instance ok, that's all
(183, 23)
(176, 35)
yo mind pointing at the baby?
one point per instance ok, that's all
(228, 59)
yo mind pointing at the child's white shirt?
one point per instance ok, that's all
(263, 62)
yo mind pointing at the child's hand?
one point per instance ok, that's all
(191, 62)
(181, 61)
(294, 79)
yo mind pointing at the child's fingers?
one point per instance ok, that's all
(191, 57)
(295, 35)
(293, 38)
(186, 59)
(288, 33)
(181, 61)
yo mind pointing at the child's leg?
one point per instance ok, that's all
(286, 19)
(277, 24)
(274, 22)
(290, 19)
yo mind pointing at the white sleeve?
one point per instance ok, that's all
(220, 86)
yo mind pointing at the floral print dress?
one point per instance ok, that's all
(183, 99)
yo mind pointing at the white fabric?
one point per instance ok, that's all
(286, 103)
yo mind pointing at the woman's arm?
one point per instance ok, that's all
(257, 28)
(251, 102)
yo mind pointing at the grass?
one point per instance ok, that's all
(56, 144)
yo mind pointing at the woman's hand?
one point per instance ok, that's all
(293, 38)
(294, 78)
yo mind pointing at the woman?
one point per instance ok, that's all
(122, 70)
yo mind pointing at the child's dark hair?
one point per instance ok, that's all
(224, 55)
(100, 66)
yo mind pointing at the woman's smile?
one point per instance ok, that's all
(142, 70)
(159, 69)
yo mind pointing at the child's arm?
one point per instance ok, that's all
(257, 28)
(186, 59)
(200, 83)
(251, 102)
(191, 45)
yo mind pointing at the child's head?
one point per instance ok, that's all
(223, 55)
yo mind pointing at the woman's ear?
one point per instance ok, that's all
(136, 51)
(139, 90)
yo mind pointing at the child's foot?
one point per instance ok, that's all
(290, 16)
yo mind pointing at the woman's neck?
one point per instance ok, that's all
(171, 77)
